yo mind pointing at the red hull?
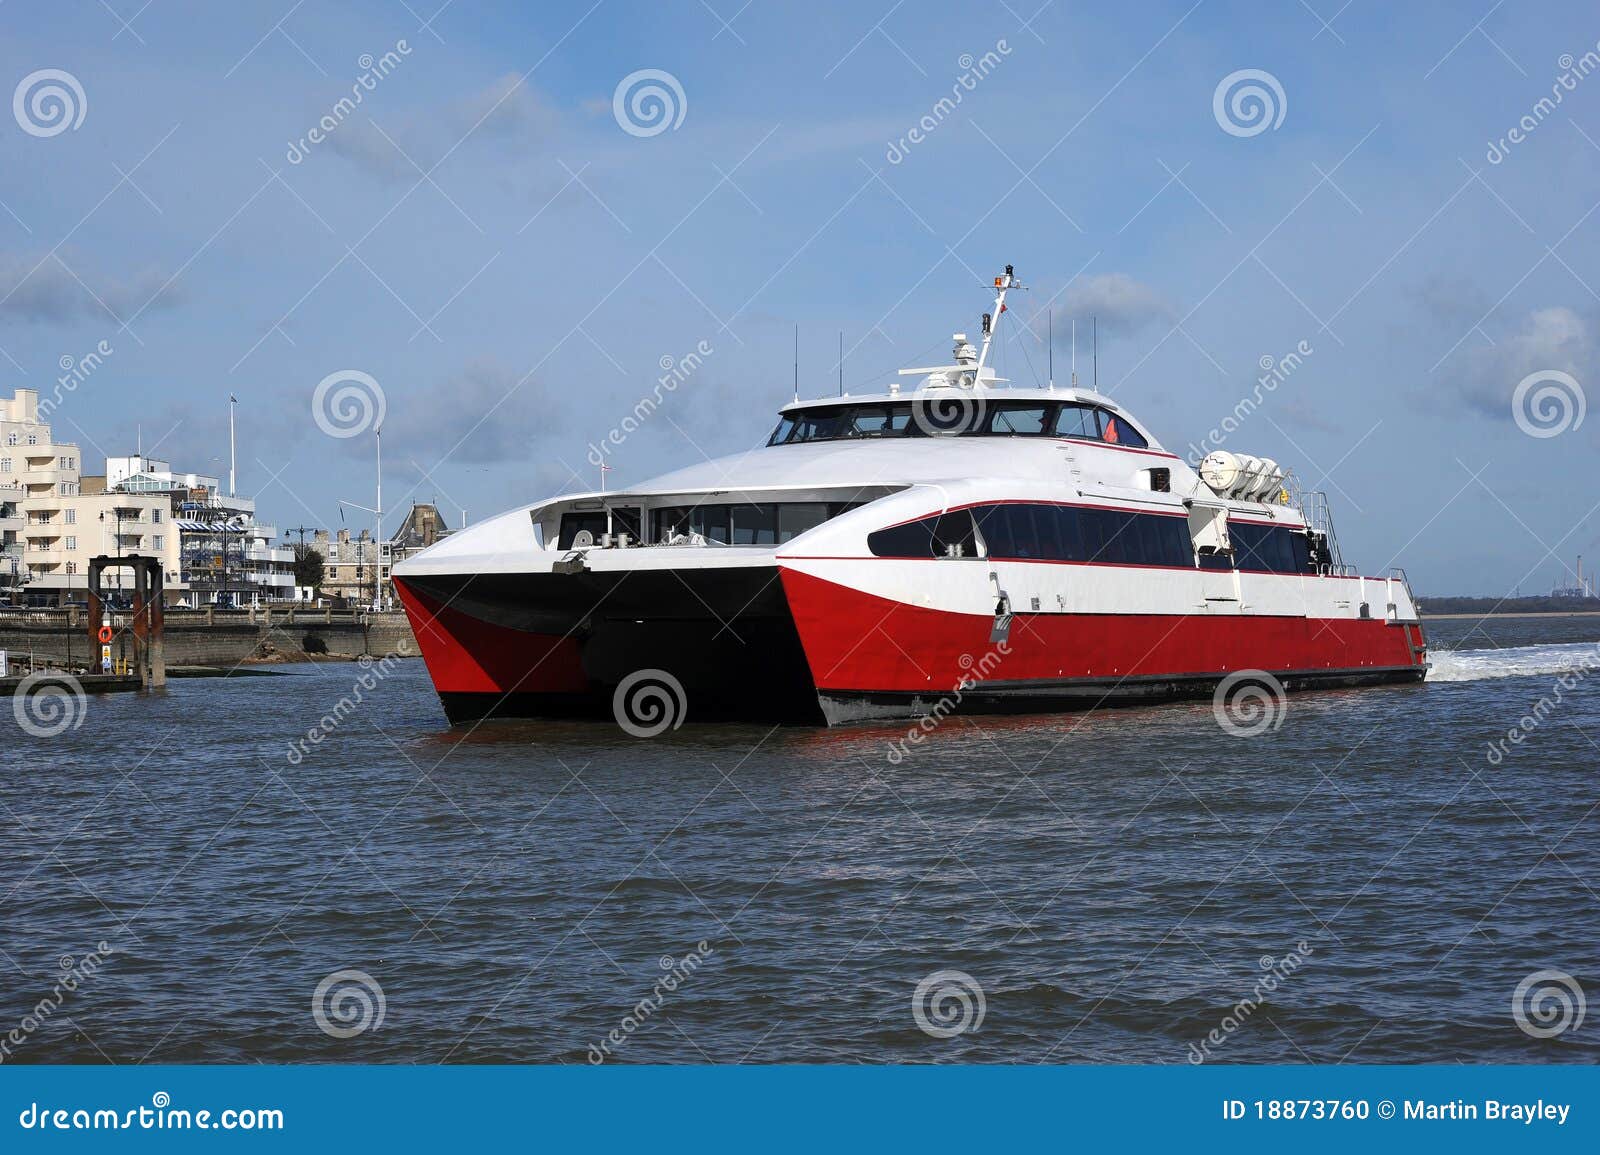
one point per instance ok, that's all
(859, 643)
(467, 655)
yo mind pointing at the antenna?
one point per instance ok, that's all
(1050, 344)
(1094, 324)
(797, 361)
(1074, 352)
(841, 362)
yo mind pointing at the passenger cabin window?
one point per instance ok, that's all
(1270, 548)
(1025, 531)
(946, 535)
(767, 523)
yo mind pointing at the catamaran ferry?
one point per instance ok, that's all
(883, 555)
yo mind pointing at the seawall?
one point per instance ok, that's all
(213, 637)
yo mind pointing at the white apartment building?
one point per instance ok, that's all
(12, 565)
(210, 546)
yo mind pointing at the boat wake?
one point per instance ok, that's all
(1511, 661)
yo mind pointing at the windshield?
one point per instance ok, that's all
(956, 414)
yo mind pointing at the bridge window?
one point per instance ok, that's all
(1012, 418)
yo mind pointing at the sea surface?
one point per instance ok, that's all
(1370, 881)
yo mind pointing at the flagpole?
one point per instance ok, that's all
(232, 460)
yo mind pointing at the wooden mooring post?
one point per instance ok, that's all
(149, 651)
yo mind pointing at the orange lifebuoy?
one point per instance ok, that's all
(105, 635)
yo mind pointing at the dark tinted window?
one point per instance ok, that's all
(1272, 548)
(1116, 430)
(946, 535)
(1074, 533)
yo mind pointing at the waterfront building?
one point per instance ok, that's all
(211, 547)
(12, 521)
(353, 567)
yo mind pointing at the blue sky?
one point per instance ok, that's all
(485, 240)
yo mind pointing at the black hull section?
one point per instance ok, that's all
(1072, 696)
(724, 635)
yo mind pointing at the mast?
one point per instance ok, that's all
(1001, 284)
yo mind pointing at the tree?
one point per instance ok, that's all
(307, 566)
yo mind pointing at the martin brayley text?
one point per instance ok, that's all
(1524, 1113)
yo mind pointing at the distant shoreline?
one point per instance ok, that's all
(1514, 614)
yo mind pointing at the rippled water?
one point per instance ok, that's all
(1113, 882)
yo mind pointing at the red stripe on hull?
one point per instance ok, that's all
(465, 654)
(857, 642)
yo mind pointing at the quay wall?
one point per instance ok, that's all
(213, 637)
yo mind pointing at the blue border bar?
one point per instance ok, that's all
(716, 1109)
